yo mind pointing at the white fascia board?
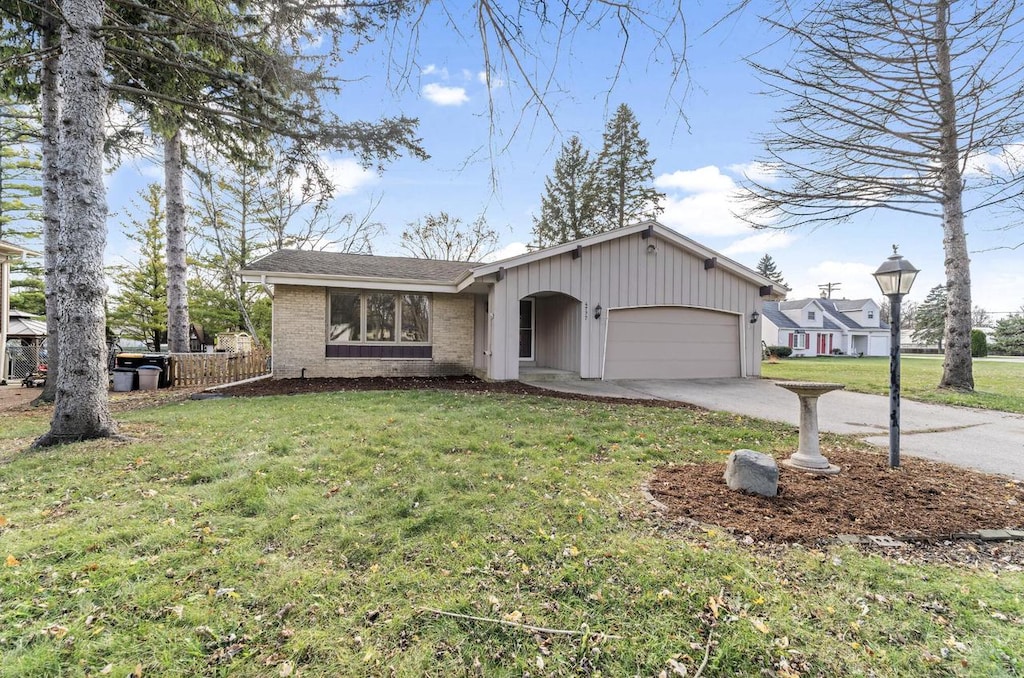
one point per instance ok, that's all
(310, 280)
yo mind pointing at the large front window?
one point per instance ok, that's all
(378, 317)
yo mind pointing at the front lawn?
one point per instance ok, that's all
(317, 535)
(998, 385)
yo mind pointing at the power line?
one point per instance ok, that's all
(828, 288)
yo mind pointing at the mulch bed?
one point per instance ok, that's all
(919, 500)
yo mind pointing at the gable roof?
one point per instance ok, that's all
(376, 272)
(651, 226)
(24, 325)
(773, 311)
(851, 304)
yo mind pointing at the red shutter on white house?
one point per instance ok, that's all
(792, 342)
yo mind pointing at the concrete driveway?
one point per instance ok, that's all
(986, 440)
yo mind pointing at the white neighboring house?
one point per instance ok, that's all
(813, 327)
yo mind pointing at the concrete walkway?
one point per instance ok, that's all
(985, 440)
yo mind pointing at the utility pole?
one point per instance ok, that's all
(828, 288)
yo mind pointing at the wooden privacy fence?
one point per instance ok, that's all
(210, 369)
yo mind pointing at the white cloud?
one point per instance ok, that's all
(495, 83)
(700, 202)
(510, 250)
(432, 69)
(761, 172)
(704, 214)
(765, 241)
(1006, 161)
(346, 175)
(704, 180)
(443, 95)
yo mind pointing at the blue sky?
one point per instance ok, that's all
(699, 159)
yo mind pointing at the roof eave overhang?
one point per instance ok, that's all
(492, 268)
(360, 282)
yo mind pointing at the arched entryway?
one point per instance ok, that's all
(549, 331)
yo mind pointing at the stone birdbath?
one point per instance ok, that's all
(809, 457)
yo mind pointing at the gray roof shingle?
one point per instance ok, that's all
(360, 266)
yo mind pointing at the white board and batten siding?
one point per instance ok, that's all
(622, 274)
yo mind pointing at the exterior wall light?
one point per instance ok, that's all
(597, 312)
(754, 317)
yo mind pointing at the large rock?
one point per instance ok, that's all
(753, 472)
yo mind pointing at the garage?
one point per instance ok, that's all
(671, 342)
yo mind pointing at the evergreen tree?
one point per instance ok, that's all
(930, 317)
(766, 267)
(1008, 337)
(568, 208)
(625, 175)
(140, 304)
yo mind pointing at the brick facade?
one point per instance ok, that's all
(300, 338)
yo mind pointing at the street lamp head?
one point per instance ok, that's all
(896, 275)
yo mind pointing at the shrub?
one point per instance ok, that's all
(979, 344)
(780, 351)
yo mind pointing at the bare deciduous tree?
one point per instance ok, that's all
(906, 105)
(447, 238)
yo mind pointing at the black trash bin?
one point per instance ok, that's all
(137, 360)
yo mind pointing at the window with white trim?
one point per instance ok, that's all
(871, 315)
(800, 340)
(811, 315)
(378, 318)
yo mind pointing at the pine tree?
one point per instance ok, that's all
(625, 175)
(139, 309)
(930, 317)
(766, 267)
(568, 208)
(1008, 337)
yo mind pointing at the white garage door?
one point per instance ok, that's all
(671, 343)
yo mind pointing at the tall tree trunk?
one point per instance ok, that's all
(177, 290)
(81, 411)
(49, 106)
(957, 368)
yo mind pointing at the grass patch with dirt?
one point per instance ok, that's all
(999, 385)
(317, 535)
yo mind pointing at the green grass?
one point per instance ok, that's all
(308, 535)
(998, 385)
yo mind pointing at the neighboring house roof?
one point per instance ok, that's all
(23, 325)
(833, 307)
(10, 249)
(850, 304)
(772, 311)
(791, 305)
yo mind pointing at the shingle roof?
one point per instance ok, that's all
(849, 304)
(770, 310)
(360, 266)
(833, 308)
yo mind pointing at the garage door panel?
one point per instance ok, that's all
(671, 343)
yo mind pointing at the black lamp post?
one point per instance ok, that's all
(894, 277)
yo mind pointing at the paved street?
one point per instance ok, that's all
(981, 439)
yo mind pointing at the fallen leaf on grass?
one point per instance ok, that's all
(12, 561)
(286, 669)
(3, 521)
(760, 625)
